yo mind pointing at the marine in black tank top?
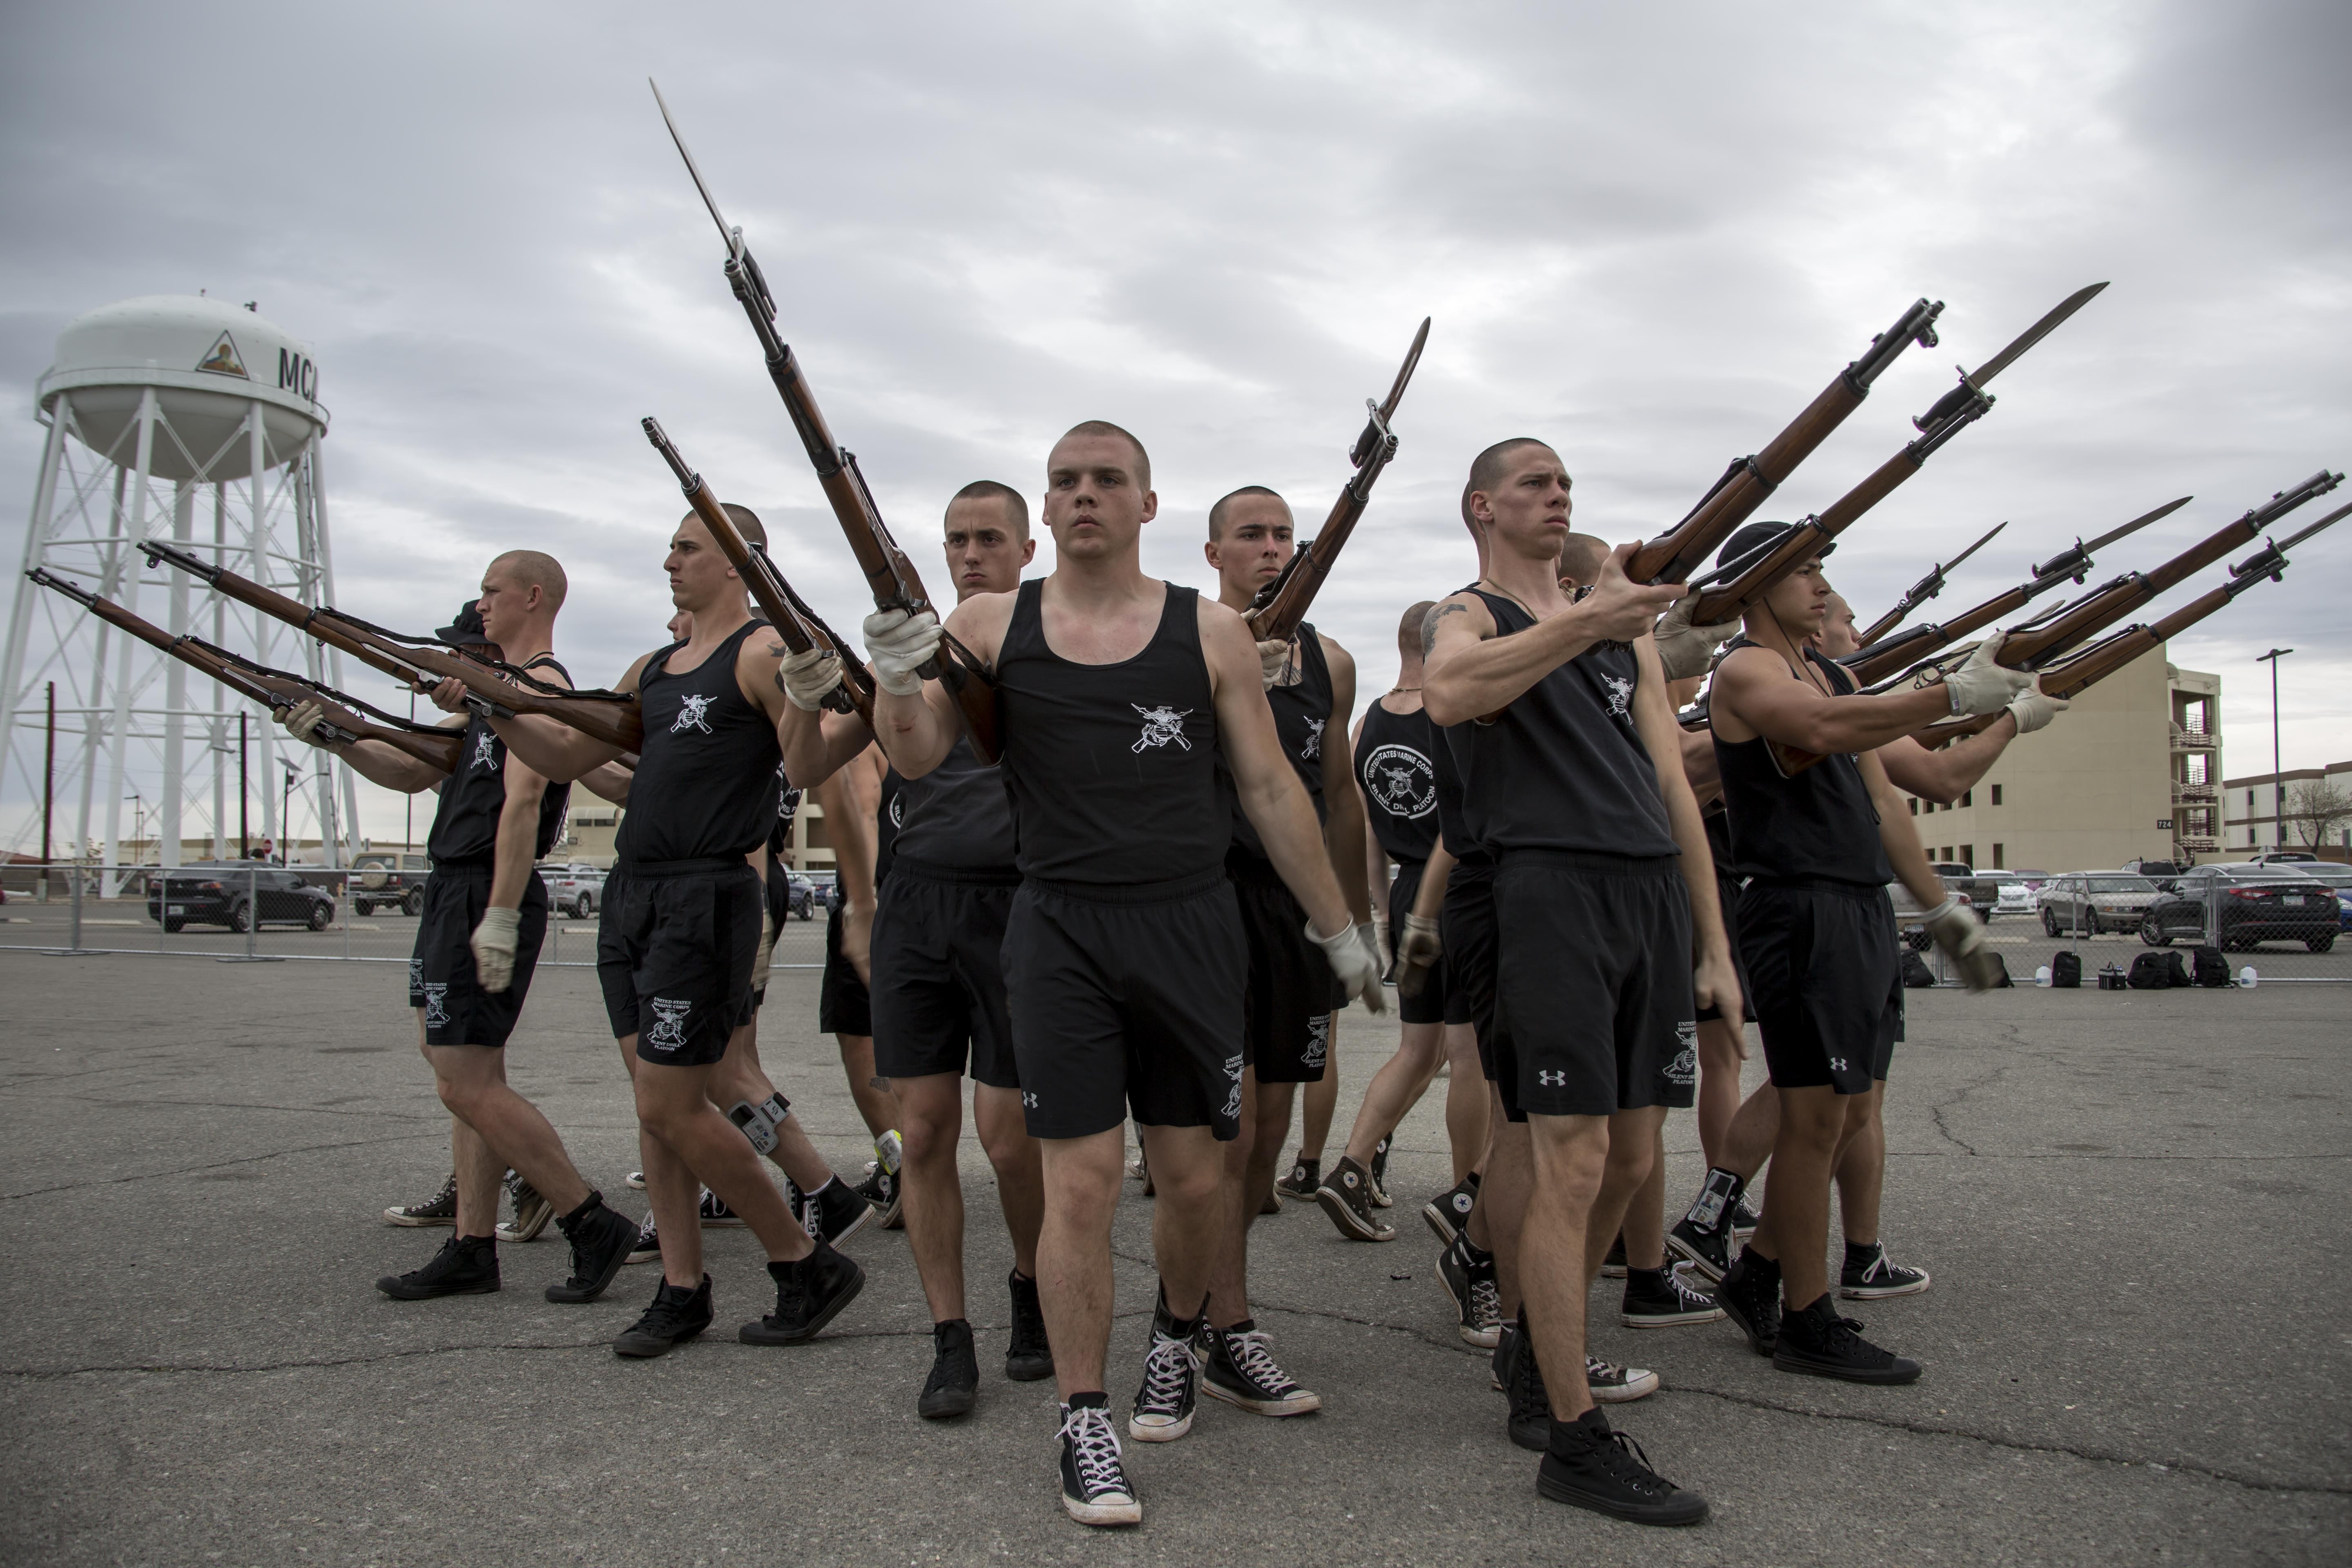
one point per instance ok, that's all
(1302, 714)
(465, 824)
(958, 816)
(1112, 767)
(707, 779)
(1396, 764)
(1820, 823)
(1562, 766)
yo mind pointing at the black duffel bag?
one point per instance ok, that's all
(2066, 971)
(2149, 972)
(2208, 967)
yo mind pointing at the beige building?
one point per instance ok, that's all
(2132, 770)
(2252, 812)
(590, 830)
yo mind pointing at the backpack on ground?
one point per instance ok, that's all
(2148, 974)
(2208, 967)
(2176, 971)
(1916, 976)
(2001, 967)
(2066, 970)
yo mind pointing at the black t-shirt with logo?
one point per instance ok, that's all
(1396, 765)
(465, 824)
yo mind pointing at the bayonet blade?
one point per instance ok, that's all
(1972, 549)
(2338, 513)
(734, 240)
(2034, 334)
(2135, 524)
(1411, 359)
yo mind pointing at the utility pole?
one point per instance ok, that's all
(49, 788)
(243, 834)
(2278, 784)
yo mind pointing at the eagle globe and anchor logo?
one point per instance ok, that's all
(1402, 782)
(1162, 726)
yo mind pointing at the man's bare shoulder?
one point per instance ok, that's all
(980, 621)
(1463, 611)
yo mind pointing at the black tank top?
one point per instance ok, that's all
(709, 774)
(1562, 767)
(465, 824)
(788, 806)
(1112, 767)
(1302, 714)
(889, 812)
(1396, 764)
(1820, 824)
(957, 815)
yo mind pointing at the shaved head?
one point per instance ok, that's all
(1224, 504)
(532, 569)
(1105, 427)
(1488, 468)
(1581, 555)
(746, 522)
(1409, 629)
(1016, 506)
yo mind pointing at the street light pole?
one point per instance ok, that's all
(2278, 784)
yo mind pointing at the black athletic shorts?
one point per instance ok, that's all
(1465, 926)
(1126, 999)
(1726, 899)
(844, 1005)
(1287, 1004)
(1435, 1001)
(675, 943)
(939, 973)
(1593, 985)
(458, 1011)
(1826, 978)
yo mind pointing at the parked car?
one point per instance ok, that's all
(800, 896)
(389, 881)
(1907, 912)
(2285, 857)
(575, 889)
(2338, 877)
(2016, 899)
(2094, 902)
(232, 893)
(2155, 870)
(2256, 904)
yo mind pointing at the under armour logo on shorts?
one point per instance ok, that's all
(1552, 1079)
(669, 1033)
(436, 1006)
(1837, 1064)
(1028, 1101)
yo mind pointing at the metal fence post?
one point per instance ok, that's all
(74, 944)
(252, 910)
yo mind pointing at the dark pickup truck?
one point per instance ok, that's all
(389, 881)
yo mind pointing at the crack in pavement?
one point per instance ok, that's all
(1936, 1111)
(214, 1165)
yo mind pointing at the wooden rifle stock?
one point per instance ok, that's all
(1278, 608)
(273, 689)
(795, 623)
(610, 717)
(1674, 555)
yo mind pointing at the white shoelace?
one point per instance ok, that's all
(1248, 1350)
(1167, 1375)
(1094, 1444)
(1485, 1304)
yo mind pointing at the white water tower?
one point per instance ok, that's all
(188, 418)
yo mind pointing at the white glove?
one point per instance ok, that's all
(1686, 650)
(1417, 954)
(1353, 960)
(303, 724)
(495, 940)
(1381, 946)
(808, 677)
(1961, 935)
(900, 645)
(1276, 667)
(2032, 709)
(766, 957)
(1980, 686)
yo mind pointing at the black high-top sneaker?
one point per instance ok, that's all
(1707, 1251)
(836, 1212)
(714, 1211)
(1588, 1466)
(1029, 1357)
(1529, 1421)
(465, 1265)
(1240, 1369)
(1468, 1276)
(1094, 1488)
(601, 1240)
(953, 1387)
(1750, 1293)
(1448, 1213)
(1306, 1174)
(532, 1211)
(1164, 1406)
(441, 1208)
(1657, 1299)
(1817, 1342)
(1870, 1274)
(1707, 1233)
(1346, 1195)
(810, 1292)
(676, 1316)
(1379, 1173)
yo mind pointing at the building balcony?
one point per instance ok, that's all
(2194, 793)
(2199, 739)
(2197, 842)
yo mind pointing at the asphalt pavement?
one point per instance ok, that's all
(2134, 1206)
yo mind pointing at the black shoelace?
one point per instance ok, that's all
(1624, 1460)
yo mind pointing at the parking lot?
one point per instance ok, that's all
(2133, 1204)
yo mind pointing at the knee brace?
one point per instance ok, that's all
(759, 1122)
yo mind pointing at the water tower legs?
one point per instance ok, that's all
(127, 595)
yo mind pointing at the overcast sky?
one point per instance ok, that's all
(1648, 234)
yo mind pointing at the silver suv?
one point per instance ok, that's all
(2094, 902)
(575, 889)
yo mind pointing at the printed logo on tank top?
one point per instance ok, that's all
(669, 1033)
(691, 708)
(1160, 726)
(486, 750)
(1621, 693)
(898, 811)
(1314, 746)
(1401, 780)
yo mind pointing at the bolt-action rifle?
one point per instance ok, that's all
(341, 717)
(1878, 658)
(887, 571)
(1278, 608)
(1675, 555)
(495, 690)
(2105, 657)
(1752, 575)
(799, 627)
(1925, 589)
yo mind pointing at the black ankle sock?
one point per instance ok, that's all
(593, 1201)
(489, 1243)
(1094, 1399)
(1757, 1265)
(1858, 1255)
(1652, 1280)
